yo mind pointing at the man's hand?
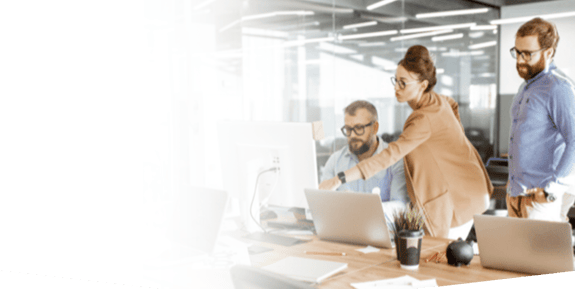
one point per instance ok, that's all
(331, 184)
(537, 195)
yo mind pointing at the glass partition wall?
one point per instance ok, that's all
(305, 61)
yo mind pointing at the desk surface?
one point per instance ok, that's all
(383, 264)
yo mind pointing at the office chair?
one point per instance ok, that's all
(247, 277)
(479, 141)
(498, 171)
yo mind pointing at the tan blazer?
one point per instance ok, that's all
(444, 173)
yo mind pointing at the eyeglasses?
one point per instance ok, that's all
(359, 129)
(525, 54)
(401, 82)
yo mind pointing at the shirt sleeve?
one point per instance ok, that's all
(328, 171)
(416, 131)
(385, 186)
(562, 113)
(398, 188)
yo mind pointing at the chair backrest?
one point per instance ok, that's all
(498, 171)
(247, 277)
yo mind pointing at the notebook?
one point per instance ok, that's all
(522, 245)
(305, 269)
(349, 217)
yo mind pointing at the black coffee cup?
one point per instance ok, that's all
(408, 245)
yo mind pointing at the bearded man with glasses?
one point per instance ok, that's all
(360, 129)
(542, 136)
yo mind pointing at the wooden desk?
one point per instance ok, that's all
(383, 264)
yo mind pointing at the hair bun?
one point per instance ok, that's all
(418, 60)
(419, 52)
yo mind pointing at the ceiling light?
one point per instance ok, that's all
(379, 4)
(379, 18)
(431, 28)
(483, 27)
(367, 35)
(447, 37)
(477, 34)
(358, 25)
(527, 18)
(371, 44)
(306, 41)
(277, 13)
(451, 13)
(328, 47)
(462, 53)
(483, 45)
(266, 15)
(418, 35)
(264, 32)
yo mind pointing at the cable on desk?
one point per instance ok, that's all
(275, 169)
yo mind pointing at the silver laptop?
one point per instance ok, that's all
(522, 245)
(348, 217)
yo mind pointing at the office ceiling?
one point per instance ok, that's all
(330, 16)
(501, 3)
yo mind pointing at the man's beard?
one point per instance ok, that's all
(531, 70)
(360, 150)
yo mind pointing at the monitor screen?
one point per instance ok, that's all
(285, 150)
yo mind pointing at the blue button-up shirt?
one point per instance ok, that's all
(390, 182)
(542, 139)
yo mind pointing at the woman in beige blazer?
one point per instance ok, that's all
(444, 173)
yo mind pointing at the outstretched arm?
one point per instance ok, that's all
(416, 131)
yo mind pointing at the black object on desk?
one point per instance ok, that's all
(274, 239)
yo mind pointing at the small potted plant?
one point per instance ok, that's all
(408, 233)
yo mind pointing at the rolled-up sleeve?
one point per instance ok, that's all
(328, 171)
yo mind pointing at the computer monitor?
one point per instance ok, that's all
(247, 148)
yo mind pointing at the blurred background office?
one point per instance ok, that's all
(109, 110)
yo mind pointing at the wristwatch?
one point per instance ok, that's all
(341, 176)
(549, 197)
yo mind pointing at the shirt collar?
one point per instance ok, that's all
(545, 71)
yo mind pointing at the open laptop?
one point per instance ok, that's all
(522, 245)
(348, 217)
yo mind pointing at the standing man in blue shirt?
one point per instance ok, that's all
(360, 129)
(542, 139)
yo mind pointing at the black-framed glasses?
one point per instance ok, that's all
(401, 83)
(359, 129)
(527, 55)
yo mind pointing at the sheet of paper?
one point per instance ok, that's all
(400, 282)
(424, 283)
(368, 249)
